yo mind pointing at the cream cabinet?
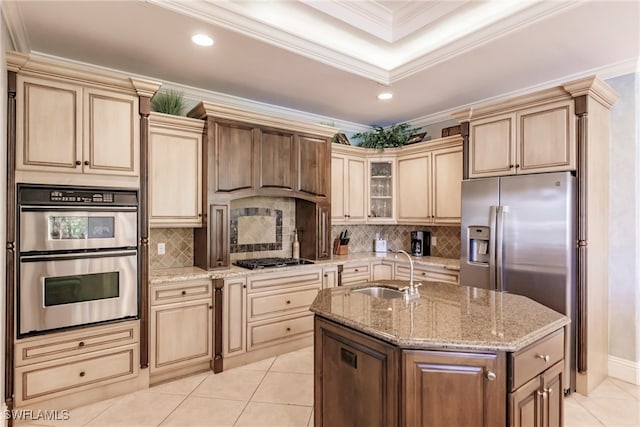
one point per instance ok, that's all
(535, 139)
(382, 270)
(329, 277)
(71, 128)
(234, 316)
(348, 183)
(356, 272)
(175, 171)
(428, 273)
(429, 185)
(181, 327)
(382, 182)
(67, 363)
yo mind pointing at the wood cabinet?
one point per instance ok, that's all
(313, 221)
(65, 363)
(234, 316)
(313, 164)
(72, 128)
(356, 379)
(540, 138)
(235, 157)
(422, 272)
(181, 328)
(175, 171)
(453, 388)
(537, 384)
(348, 189)
(277, 160)
(429, 184)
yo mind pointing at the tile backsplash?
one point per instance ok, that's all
(399, 237)
(178, 247)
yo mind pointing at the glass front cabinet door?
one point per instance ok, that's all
(381, 191)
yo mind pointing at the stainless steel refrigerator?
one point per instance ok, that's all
(518, 235)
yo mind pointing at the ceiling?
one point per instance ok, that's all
(332, 57)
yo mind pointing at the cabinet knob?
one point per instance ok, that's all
(183, 293)
(424, 274)
(244, 286)
(544, 357)
(326, 275)
(517, 166)
(86, 162)
(199, 215)
(81, 344)
(549, 390)
(288, 329)
(356, 270)
(288, 302)
(491, 376)
(542, 393)
(82, 373)
(78, 162)
(511, 166)
(210, 307)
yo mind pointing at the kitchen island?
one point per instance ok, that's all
(457, 356)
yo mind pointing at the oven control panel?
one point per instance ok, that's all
(80, 197)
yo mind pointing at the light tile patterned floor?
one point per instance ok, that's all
(279, 392)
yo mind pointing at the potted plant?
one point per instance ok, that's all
(389, 137)
(169, 102)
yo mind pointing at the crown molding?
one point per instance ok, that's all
(15, 26)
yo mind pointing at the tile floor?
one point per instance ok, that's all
(279, 392)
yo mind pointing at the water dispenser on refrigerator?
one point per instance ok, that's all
(479, 238)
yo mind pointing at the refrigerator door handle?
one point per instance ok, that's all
(499, 247)
(492, 246)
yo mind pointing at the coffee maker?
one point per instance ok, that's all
(420, 243)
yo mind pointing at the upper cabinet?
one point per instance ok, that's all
(75, 125)
(233, 159)
(382, 184)
(313, 166)
(348, 181)
(175, 171)
(539, 138)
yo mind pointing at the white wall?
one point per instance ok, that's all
(624, 228)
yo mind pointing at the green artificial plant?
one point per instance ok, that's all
(168, 102)
(389, 137)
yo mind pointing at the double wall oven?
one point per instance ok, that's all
(77, 256)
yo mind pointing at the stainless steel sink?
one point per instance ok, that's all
(379, 292)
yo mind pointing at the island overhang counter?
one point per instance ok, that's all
(456, 356)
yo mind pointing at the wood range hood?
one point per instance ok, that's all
(247, 154)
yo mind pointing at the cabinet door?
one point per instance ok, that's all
(49, 126)
(382, 271)
(234, 156)
(553, 396)
(357, 379)
(277, 161)
(447, 184)
(323, 232)
(414, 195)
(175, 169)
(355, 189)
(338, 196)
(181, 334)
(381, 192)
(546, 138)
(329, 277)
(111, 133)
(313, 165)
(234, 314)
(453, 389)
(492, 146)
(525, 405)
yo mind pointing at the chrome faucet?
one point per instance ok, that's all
(412, 292)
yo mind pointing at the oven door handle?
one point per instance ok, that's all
(84, 255)
(39, 208)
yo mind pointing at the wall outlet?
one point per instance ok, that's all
(160, 248)
(434, 241)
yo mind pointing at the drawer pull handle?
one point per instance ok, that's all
(183, 292)
(544, 357)
(424, 274)
(491, 376)
(288, 302)
(81, 344)
(82, 373)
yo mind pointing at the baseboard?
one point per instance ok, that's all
(624, 370)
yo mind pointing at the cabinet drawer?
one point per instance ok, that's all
(530, 361)
(263, 305)
(356, 273)
(55, 346)
(49, 379)
(180, 292)
(275, 332)
(425, 273)
(286, 279)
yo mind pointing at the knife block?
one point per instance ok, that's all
(339, 249)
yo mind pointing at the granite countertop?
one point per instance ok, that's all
(444, 317)
(195, 273)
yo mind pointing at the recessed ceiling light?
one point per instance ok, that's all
(385, 96)
(202, 40)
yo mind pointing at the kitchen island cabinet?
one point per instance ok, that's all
(489, 359)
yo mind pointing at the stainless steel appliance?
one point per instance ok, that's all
(258, 263)
(78, 257)
(518, 236)
(420, 243)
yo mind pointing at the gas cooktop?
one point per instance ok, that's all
(257, 263)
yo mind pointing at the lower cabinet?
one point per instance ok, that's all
(435, 274)
(181, 338)
(64, 363)
(234, 316)
(356, 379)
(442, 388)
